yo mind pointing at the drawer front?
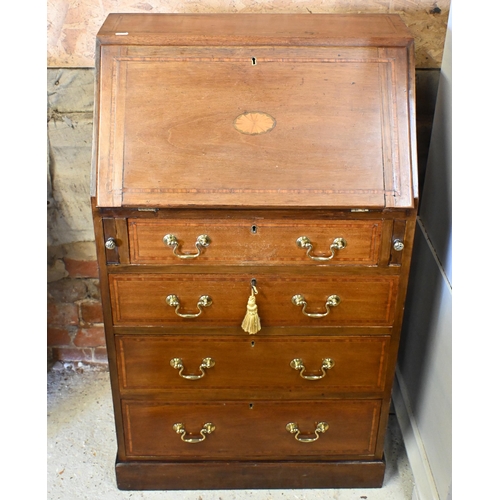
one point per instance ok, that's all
(141, 299)
(250, 430)
(254, 241)
(352, 363)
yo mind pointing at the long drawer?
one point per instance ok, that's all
(285, 300)
(251, 430)
(339, 364)
(220, 241)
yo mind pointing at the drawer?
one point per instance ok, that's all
(353, 364)
(251, 430)
(220, 241)
(141, 299)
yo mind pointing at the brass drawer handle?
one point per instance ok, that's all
(207, 428)
(204, 301)
(298, 364)
(202, 241)
(331, 301)
(305, 242)
(205, 364)
(293, 428)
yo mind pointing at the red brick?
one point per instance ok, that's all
(91, 311)
(62, 314)
(58, 337)
(101, 355)
(82, 268)
(71, 354)
(90, 337)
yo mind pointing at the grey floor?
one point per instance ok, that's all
(81, 449)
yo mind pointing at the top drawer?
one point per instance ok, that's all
(241, 241)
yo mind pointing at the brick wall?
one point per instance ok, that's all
(75, 331)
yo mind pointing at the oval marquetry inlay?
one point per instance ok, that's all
(254, 123)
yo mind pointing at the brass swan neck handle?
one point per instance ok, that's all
(203, 241)
(305, 242)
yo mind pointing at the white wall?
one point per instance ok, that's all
(422, 394)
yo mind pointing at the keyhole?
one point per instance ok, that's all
(250, 406)
(253, 229)
(252, 343)
(254, 61)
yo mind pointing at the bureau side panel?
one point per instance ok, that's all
(108, 324)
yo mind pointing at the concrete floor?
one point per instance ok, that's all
(81, 450)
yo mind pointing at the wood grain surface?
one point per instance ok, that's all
(352, 150)
(260, 364)
(245, 431)
(140, 299)
(244, 241)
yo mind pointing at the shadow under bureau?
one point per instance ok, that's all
(254, 198)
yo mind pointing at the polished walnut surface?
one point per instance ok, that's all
(270, 155)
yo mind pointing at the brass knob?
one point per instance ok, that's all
(202, 241)
(398, 245)
(207, 428)
(110, 244)
(331, 301)
(305, 242)
(321, 427)
(203, 301)
(298, 364)
(205, 364)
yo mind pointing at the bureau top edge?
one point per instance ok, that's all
(255, 29)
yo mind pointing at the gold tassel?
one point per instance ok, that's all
(251, 322)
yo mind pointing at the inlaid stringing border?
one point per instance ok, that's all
(118, 123)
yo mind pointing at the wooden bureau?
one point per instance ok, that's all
(239, 158)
